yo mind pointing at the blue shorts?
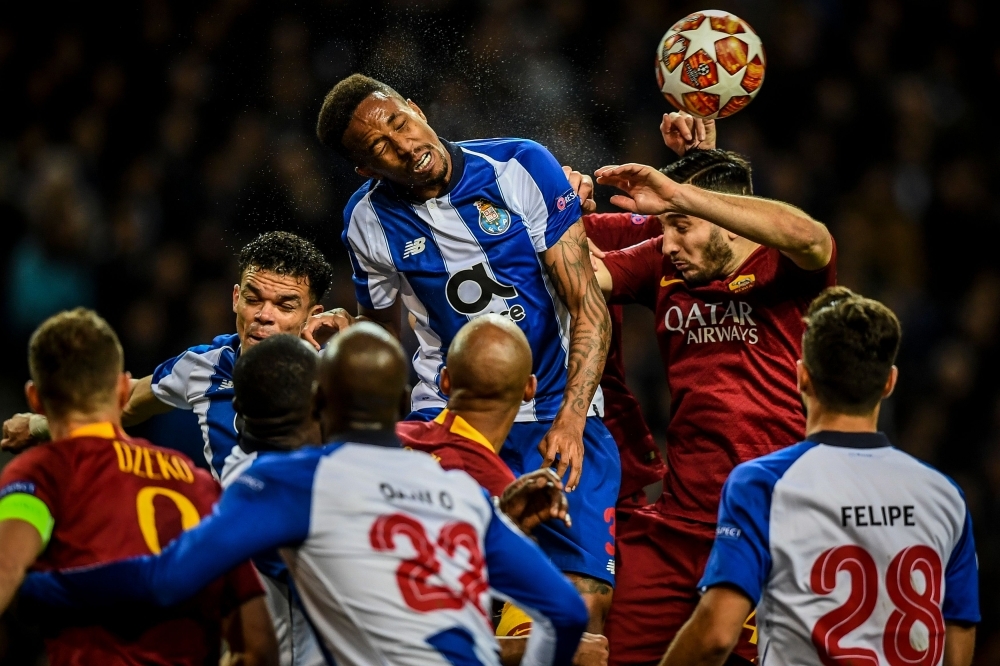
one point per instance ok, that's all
(588, 547)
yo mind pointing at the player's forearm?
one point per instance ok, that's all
(959, 644)
(772, 223)
(142, 403)
(569, 267)
(512, 649)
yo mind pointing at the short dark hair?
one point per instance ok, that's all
(287, 254)
(274, 378)
(849, 347)
(339, 107)
(75, 359)
(715, 170)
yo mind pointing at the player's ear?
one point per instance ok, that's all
(890, 383)
(365, 172)
(416, 109)
(530, 388)
(444, 382)
(315, 310)
(802, 379)
(34, 400)
(236, 296)
(124, 389)
(318, 405)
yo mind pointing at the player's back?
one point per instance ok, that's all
(112, 497)
(871, 551)
(393, 568)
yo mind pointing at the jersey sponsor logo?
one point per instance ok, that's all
(471, 291)
(492, 220)
(250, 482)
(565, 200)
(742, 283)
(728, 532)
(639, 219)
(26, 487)
(414, 247)
(714, 323)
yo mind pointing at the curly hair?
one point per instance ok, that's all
(287, 254)
(715, 170)
(339, 107)
(849, 348)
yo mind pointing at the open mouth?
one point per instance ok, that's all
(423, 163)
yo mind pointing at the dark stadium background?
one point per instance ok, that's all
(141, 143)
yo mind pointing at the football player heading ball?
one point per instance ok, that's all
(456, 230)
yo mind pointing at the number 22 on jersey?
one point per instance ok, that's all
(911, 605)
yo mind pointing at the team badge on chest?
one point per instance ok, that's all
(492, 220)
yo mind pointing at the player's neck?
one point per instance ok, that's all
(63, 426)
(492, 421)
(819, 419)
(742, 249)
(435, 190)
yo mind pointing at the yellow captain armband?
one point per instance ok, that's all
(30, 509)
(513, 621)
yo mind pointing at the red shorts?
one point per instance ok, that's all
(660, 561)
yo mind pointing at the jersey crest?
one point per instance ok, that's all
(492, 220)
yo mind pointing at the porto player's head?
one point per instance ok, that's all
(362, 382)
(273, 386)
(848, 354)
(700, 250)
(282, 279)
(384, 135)
(489, 372)
(77, 375)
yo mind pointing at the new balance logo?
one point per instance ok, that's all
(225, 384)
(415, 246)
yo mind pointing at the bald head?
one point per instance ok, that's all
(362, 378)
(489, 359)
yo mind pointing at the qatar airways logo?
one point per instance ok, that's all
(713, 322)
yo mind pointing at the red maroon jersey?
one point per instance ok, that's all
(113, 497)
(641, 462)
(457, 445)
(729, 349)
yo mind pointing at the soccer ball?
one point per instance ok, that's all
(710, 64)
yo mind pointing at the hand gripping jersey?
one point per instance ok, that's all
(101, 496)
(640, 457)
(394, 558)
(729, 349)
(857, 552)
(201, 379)
(472, 250)
(457, 445)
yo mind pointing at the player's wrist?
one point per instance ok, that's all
(38, 427)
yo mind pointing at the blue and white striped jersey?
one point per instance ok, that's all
(473, 250)
(201, 379)
(856, 551)
(395, 559)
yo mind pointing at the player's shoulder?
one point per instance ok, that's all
(222, 348)
(914, 468)
(766, 471)
(38, 458)
(504, 149)
(181, 466)
(352, 210)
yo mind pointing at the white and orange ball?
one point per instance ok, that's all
(710, 64)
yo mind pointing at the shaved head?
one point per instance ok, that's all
(362, 380)
(489, 359)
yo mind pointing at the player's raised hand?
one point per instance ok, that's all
(566, 444)
(583, 185)
(18, 433)
(592, 651)
(683, 132)
(319, 328)
(534, 498)
(649, 191)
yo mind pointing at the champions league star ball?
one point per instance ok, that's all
(710, 64)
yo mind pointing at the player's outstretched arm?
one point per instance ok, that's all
(319, 328)
(568, 265)
(682, 132)
(221, 542)
(142, 403)
(772, 223)
(711, 633)
(519, 571)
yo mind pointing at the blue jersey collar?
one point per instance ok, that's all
(851, 440)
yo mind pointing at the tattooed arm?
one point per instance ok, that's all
(568, 265)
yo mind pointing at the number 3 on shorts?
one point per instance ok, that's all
(911, 606)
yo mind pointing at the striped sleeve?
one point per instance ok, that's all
(376, 281)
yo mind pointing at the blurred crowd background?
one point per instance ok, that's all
(142, 143)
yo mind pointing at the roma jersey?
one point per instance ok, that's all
(641, 462)
(729, 349)
(857, 552)
(100, 496)
(457, 445)
(472, 250)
